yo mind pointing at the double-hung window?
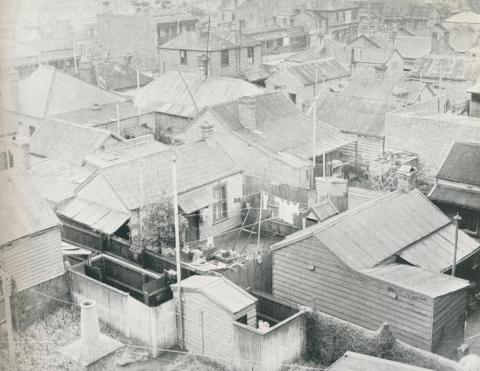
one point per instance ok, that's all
(224, 57)
(220, 209)
(183, 56)
(250, 55)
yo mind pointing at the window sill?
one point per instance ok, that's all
(219, 221)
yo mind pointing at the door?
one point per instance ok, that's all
(193, 228)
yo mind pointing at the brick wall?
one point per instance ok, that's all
(430, 136)
(169, 60)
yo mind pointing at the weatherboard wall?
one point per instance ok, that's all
(307, 273)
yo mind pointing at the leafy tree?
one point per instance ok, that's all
(154, 230)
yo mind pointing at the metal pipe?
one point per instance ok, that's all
(456, 219)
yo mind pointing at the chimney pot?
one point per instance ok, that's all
(406, 178)
(246, 112)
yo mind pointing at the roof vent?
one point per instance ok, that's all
(96, 107)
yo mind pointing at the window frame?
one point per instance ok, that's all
(220, 206)
(224, 58)
(250, 54)
(183, 57)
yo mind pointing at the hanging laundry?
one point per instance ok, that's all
(264, 199)
(287, 210)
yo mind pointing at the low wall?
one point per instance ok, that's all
(328, 338)
(271, 350)
(151, 326)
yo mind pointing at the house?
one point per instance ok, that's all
(302, 82)
(378, 63)
(413, 47)
(462, 31)
(208, 182)
(312, 21)
(223, 321)
(457, 186)
(269, 138)
(30, 245)
(120, 118)
(341, 18)
(352, 361)
(276, 39)
(48, 92)
(448, 75)
(173, 23)
(177, 98)
(229, 53)
(427, 130)
(69, 142)
(391, 250)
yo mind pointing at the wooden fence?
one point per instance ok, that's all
(152, 326)
(254, 274)
(282, 344)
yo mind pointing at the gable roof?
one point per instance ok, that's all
(48, 92)
(115, 76)
(200, 41)
(384, 89)
(374, 55)
(281, 128)
(237, 38)
(452, 67)
(366, 236)
(67, 142)
(355, 114)
(308, 73)
(322, 210)
(462, 163)
(462, 37)
(24, 211)
(413, 47)
(220, 290)
(198, 164)
(352, 361)
(169, 93)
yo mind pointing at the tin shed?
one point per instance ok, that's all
(210, 307)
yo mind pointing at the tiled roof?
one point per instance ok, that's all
(100, 115)
(198, 40)
(281, 128)
(462, 163)
(220, 290)
(24, 211)
(413, 47)
(355, 114)
(366, 236)
(329, 69)
(384, 90)
(169, 93)
(431, 284)
(67, 142)
(462, 197)
(48, 92)
(198, 164)
(460, 68)
(114, 76)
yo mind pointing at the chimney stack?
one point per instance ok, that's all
(380, 72)
(246, 112)
(207, 133)
(406, 178)
(86, 71)
(89, 327)
(202, 67)
(22, 144)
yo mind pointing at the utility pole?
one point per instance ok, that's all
(75, 62)
(7, 291)
(138, 94)
(118, 118)
(456, 219)
(177, 251)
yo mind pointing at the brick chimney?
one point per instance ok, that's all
(246, 112)
(406, 178)
(202, 62)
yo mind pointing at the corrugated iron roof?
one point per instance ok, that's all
(413, 47)
(198, 40)
(198, 164)
(23, 211)
(462, 163)
(455, 196)
(420, 280)
(435, 252)
(322, 211)
(220, 290)
(366, 236)
(452, 67)
(352, 361)
(281, 128)
(95, 216)
(48, 92)
(172, 92)
(114, 76)
(355, 114)
(67, 142)
(327, 69)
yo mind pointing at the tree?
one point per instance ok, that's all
(154, 229)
